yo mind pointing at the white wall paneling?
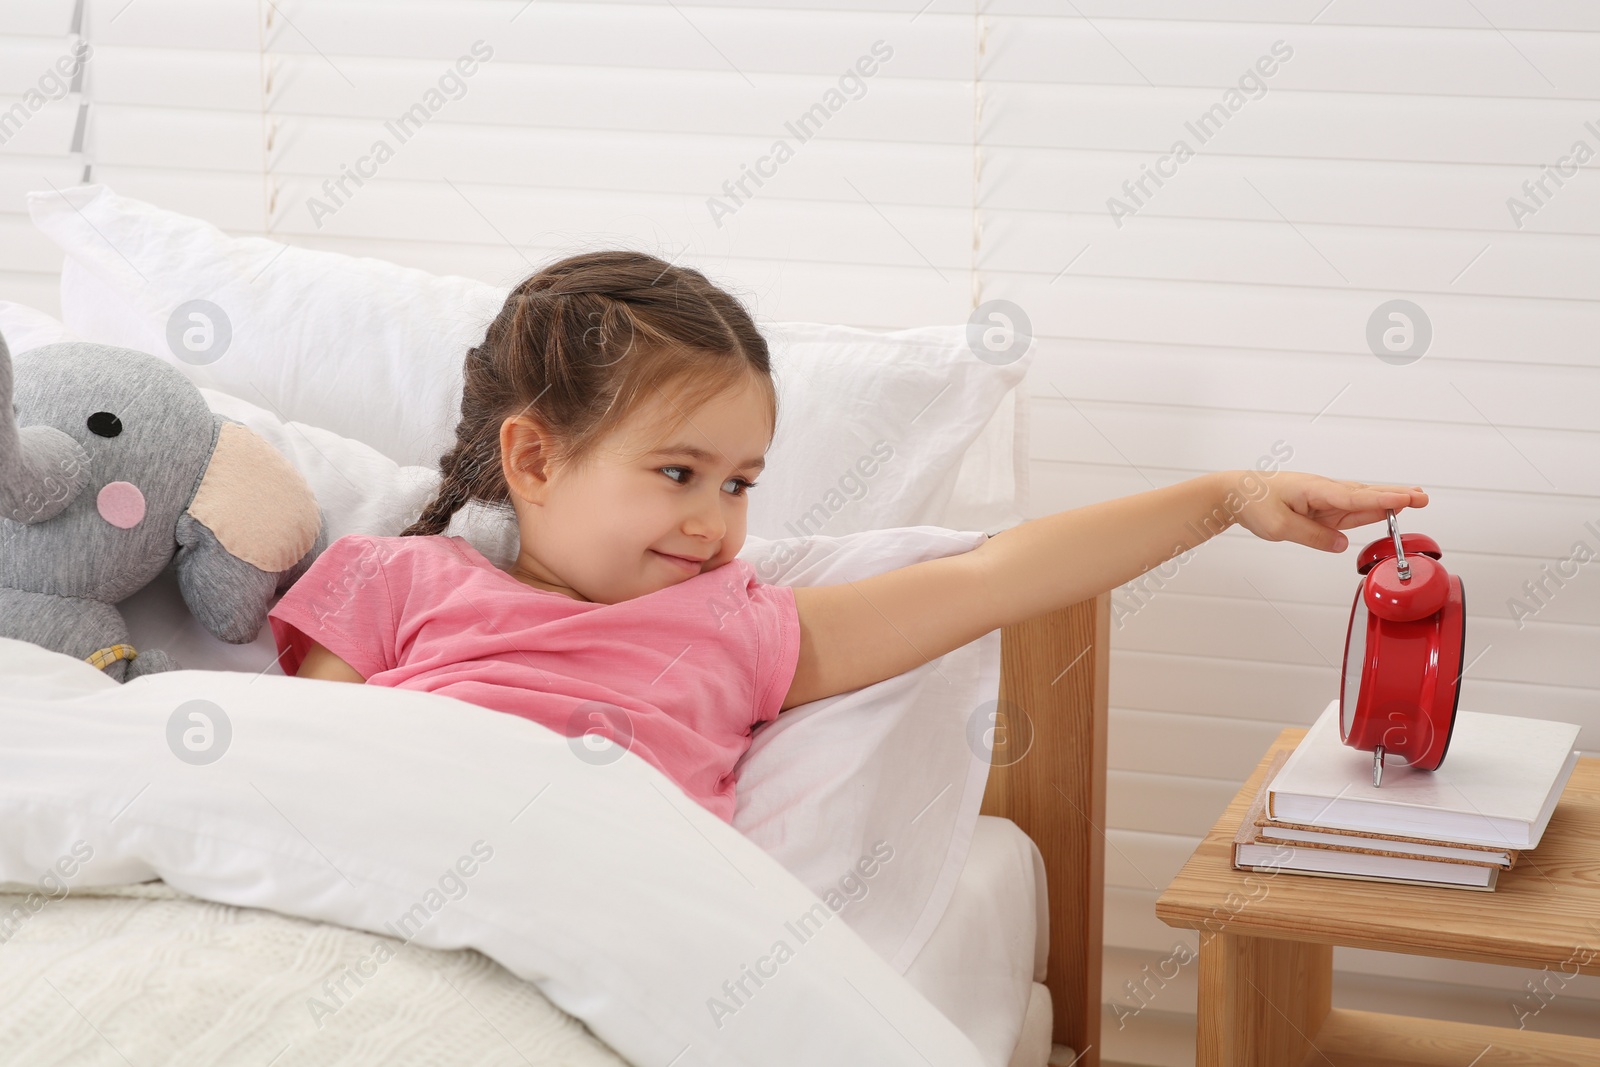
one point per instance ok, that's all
(1220, 317)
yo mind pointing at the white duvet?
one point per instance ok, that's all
(434, 824)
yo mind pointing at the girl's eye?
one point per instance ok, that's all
(744, 486)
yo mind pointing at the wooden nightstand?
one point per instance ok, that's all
(1266, 946)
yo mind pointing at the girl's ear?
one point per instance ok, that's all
(524, 457)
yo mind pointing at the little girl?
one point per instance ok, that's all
(621, 408)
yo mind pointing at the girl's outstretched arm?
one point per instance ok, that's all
(858, 633)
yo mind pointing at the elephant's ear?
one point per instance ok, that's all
(259, 508)
(252, 527)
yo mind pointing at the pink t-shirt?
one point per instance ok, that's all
(680, 676)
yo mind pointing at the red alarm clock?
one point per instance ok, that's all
(1402, 653)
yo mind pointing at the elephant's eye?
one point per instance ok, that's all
(105, 424)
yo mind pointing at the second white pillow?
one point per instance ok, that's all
(876, 429)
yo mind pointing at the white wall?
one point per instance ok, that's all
(1220, 322)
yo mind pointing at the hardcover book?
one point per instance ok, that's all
(1497, 787)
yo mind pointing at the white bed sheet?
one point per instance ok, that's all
(1036, 1047)
(980, 965)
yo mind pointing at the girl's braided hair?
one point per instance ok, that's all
(580, 345)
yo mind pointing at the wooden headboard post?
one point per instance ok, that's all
(1049, 777)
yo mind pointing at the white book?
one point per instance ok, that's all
(1254, 852)
(1498, 785)
(1413, 849)
(1270, 858)
(1486, 882)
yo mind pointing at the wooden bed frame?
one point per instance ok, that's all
(1049, 777)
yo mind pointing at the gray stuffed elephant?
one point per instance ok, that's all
(112, 467)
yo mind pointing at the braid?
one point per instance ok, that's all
(453, 493)
(467, 471)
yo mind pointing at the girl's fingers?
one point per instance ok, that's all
(1360, 518)
(1380, 497)
(1312, 534)
(1376, 493)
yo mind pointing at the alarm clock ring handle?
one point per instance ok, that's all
(1410, 544)
(1405, 589)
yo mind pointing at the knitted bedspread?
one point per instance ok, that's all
(145, 975)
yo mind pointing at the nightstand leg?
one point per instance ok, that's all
(1262, 1000)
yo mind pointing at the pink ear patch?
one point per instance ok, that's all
(121, 504)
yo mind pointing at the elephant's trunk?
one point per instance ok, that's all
(42, 470)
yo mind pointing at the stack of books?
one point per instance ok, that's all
(1318, 812)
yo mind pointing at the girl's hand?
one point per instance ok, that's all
(1310, 509)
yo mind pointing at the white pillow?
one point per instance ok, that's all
(876, 430)
(25, 328)
(365, 348)
(373, 351)
(897, 762)
(429, 818)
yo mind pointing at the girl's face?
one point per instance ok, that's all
(609, 530)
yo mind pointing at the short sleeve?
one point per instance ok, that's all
(778, 645)
(342, 602)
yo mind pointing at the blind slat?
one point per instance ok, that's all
(529, 96)
(1180, 375)
(1322, 57)
(740, 45)
(778, 289)
(1147, 436)
(1457, 196)
(1275, 252)
(1285, 124)
(45, 132)
(40, 18)
(1227, 315)
(1481, 15)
